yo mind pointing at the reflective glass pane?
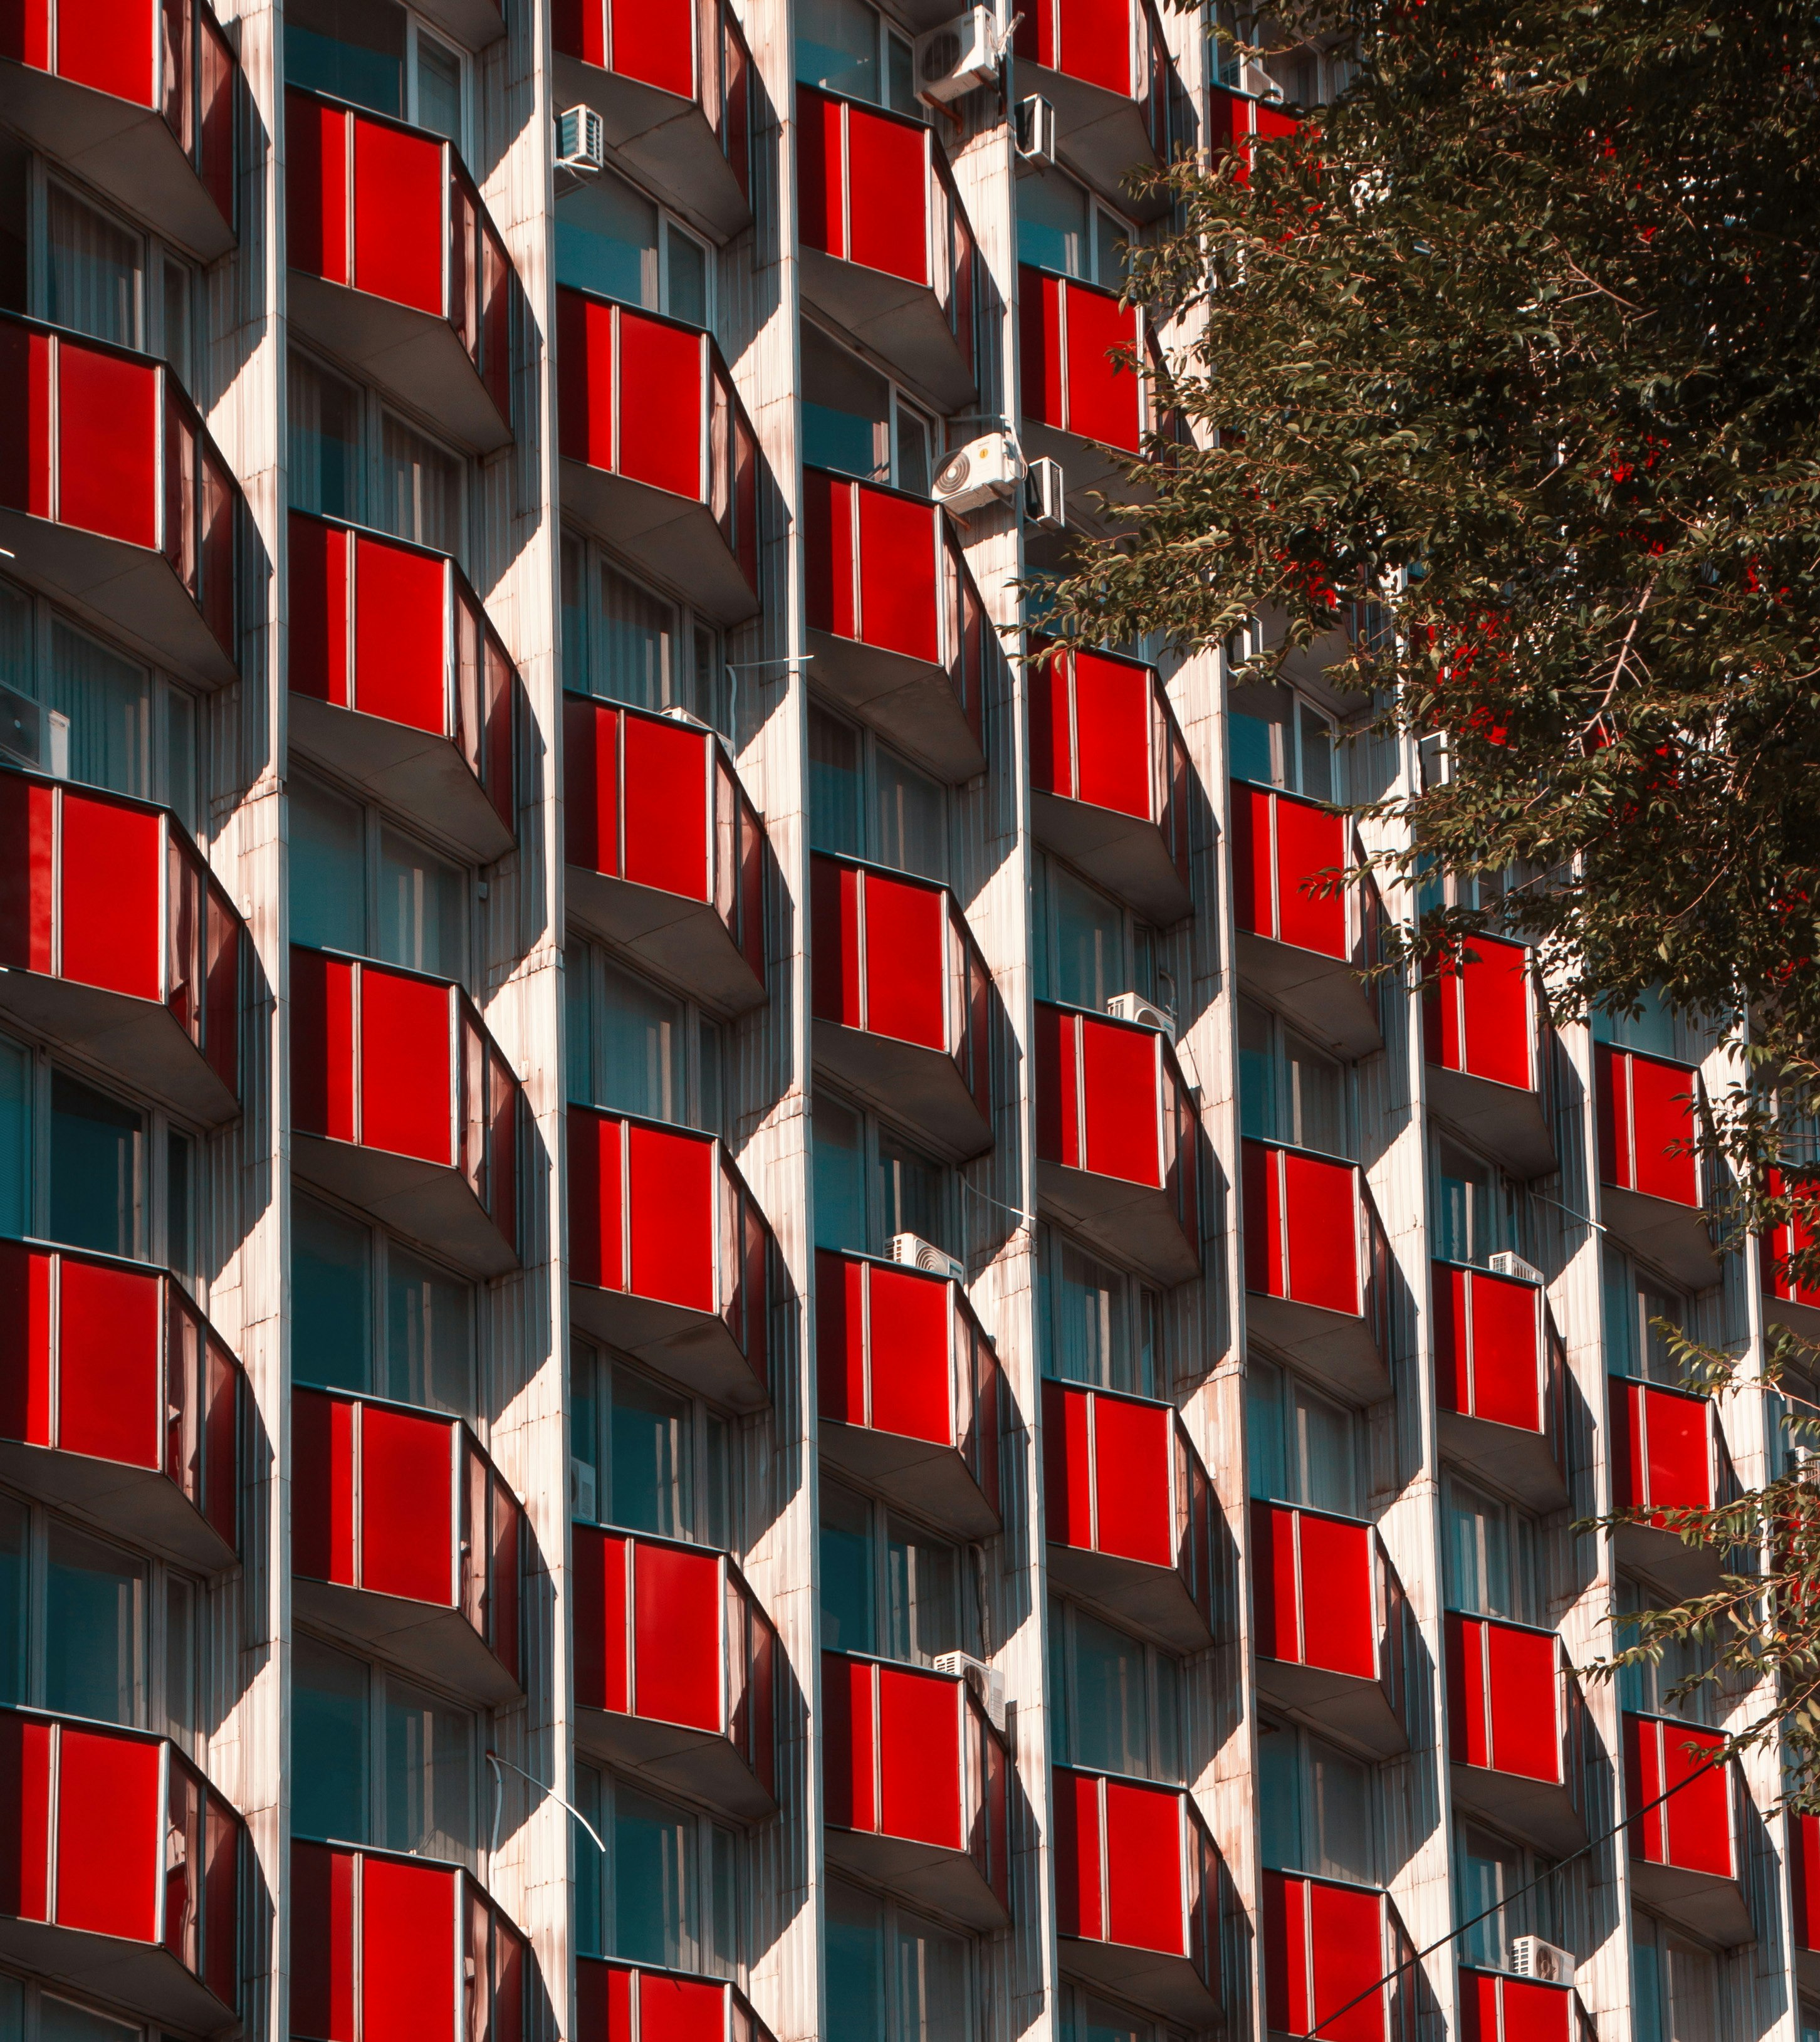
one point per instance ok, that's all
(91, 271)
(1316, 1088)
(847, 1623)
(108, 701)
(1338, 1796)
(653, 1877)
(837, 46)
(1110, 235)
(1318, 776)
(685, 280)
(836, 786)
(651, 1458)
(97, 1169)
(590, 1870)
(855, 1961)
(95, 1645)
(1089, 943)
(438, 88)
(1326, 1454)
(328, 870)
(639, 1047)
(58, 2021)
(910, 468)
(352, 49)
(1265, 1441)
(1257, 1072)
(423, 906)
(15, 1523)
(183, 1651)
(847, 424)
(429, 1335)
(15, 1140)
(606, 241)
(910, 819)
(420, 489)
(324, 471)
(1279, 1797)
(329, 1742)
(429, 1773)
(839, 1139)
(636, 659)
(909, 1192)
(923, 1584)
(1489, 1871)
(1053, 222)
(931, 1968)
(1110, 1726)
(331, 1298)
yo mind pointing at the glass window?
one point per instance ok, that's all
(912, 437)
(923, 1592)
(1635, 1344)
(1676, 1985)
(1302, 1448)
(331, 1297)
(420, 489)
(109, 702)
(847, 1588)
(1086, 2019)
(430, 1781)
(839, 1138)
(1102, 1327)
(855, 1966)
(667, 1891)
(649, 1468)
(1278, 739)
(1315, 1803)
(1054, 223)
(92, 271)
(1289, 1091)
(423, 906)
(1650, 1689)
(350, 49)
(640, 1038)
(847, 425)
(910, 818)
(636, 645)
(1111, 237)
(606, 241)
(438, 88)
(329, 1774)
(61, 2021)
(182, 1663)
(1655, 1028)
(685, 276)
(891, 1977)
(15, 1602)
(324, 438)
(328, 870)
(1463, 1214)
(1497, 1875)
(429, 1335)
(910, 1189)
(1087, 941)
(95, 1647)
(1116, 1700)
(837, 46)
(1491, 1554)
(15, 1140)
(97, 1169)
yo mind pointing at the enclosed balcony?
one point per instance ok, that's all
(669, 1255)
(1104, 66)
(113, 496)
(121, 1871)
(672, 80)
(1484, 1034)
(399, 681)
(674, 1668)
(1300, 936)
(1084, 363)
(396, 266)
(907, 1386)
(900, 994)
(1512, 1729)
(615, 2002)
(1684, 1857)
(1651, 1189)
(659, 457)
(887, 252)
(1117, 1137)
(1498, 1379)
(1128, 1507)
(1804, 1879)
(1328, 1615)
(895, 622)
(118, 1397)
(118, 943)
(1328, 1943)
(1109, 777)
(1665, 1456)
(403, 1104)
(1497, 2007)
(1791, 1298)
(1317, 1266)
(914, 1786)
(141, 102)
(1137, 1899)
(665, 852)
(383, 1943)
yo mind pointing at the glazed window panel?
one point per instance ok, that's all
(328, 870)
(422, 908)
(430, 1765)
(97, 1169)
(96, 1644)
(1491, 1551)
(324, 441)
(94, 272)
(351, 49)
(329, 1743)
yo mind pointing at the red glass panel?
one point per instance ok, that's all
(109, 1834)
(409, 1951)
(677, 1635)
(906, 963)
(110, 1403)
(899, 601)
(1321, 1203)
(666, 795)
(401, 188)
(400, 634)
(1104, 400)
(671, 1178)
(887, 193)
(407, 1091)
(1120, 1079)
(919, 1756)
(661, 369)
(1310, 840)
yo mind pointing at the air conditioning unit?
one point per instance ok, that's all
(1129, 1007)
(960, 55)
(581, 141)
(584, 1497)
(33, 735)
(914, 1252)
(1044, 496)
(1531, 1957)
(986, 1681)
(1036, 132)
(988, 467)
(1436, 759)
(1504, 1264)
(677, 714)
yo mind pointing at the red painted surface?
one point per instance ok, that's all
(1111, 1464)
(1794, 1237)
(1070, 334)
(882, 953)
(1661, 1447)
(863, 184)
(1490, 1358)
(1690, 1830)
(1804, 1859)
(1326, 1944)
(1089, 40)
(1645, 1109)
(1503, 1698)
(1479, 1014)
(616, 2002)
(1133, 1867)
(1313, 1583)
(1495, 2007)
(1304, 1217)
(1281, 845)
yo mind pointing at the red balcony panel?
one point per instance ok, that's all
(1496, 2007)
(1128, 1505)
(1083, 402)
(1109, 777)
(407, 1537)
(1317, 1266)
(1117, 1137)
(1328, 1615)
(1498, 1375)
(669, 1255)
(399, 680)
(900, 997)
(914, 1777)
(1685, 1848)
(665, 852)
(1790, 1299)
(120, 1870)
(117, 1395)
(1326, 1945)
(397, 265)
(1103, 65)
(113, 496)
(895, 621)
(675, 1668)
(1137, 1892)
(659, 457)
(672, 81)
(1484, 1034)
(1650, 1192)
(1804, 1876)
(1306, 947)
(403, 1103)
(616, 2002)
(1665, 1456)
(142, 101)
(1512, 1720)
(387, 1945)
(907, 1388)
(118, 942)
(887, 252)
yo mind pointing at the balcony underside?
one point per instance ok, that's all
(1522, 1463)
(414, 772)
(673, 538)
(429, 1639)
(1713, 1907)
(1807, 1970)
(1124, 853)
(694, 1348)
(666, 139)
(1340, 1348)
(137, 1503)
(1102, 135)
(475, 23)
(1509, 1124)
(1323, 995)
(1802, 1321)
(1155, 1599)
(924, 1874)
(930, 1479)
(1136, 1224)
(902, 322)
(122, 1034)
(684, 940)
(428, 1202)
(1355, 1708)
(1541, 1812)
(1674, 1237)
(920, 1088)
(1684, 1570)
(910, 701)
(1155, 1979)
(142, 1976)
(1088, 470)
(695, 1762)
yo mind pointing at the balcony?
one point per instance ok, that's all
(1498, 1378)
(914, 1781)
(141, 102)
(1327, 1613)
(1104, 66)
(1484, 1036)
(396, 266)
(1137, 1899)
(1327, 1944)
(1317, 1266)
(1129, 1509)
(121, 1873)
(119, 1398)
(1665, 1456)
(658, 456)
(1082, 404)
(665, 853)
(1109, 777)
(613, 2003)
(1804, 1877)
(672, 82)
(1513, 1731)
(900, 994)
(399, 681)
(1684, 1851)
(887, 252)
(674, 1665)
(1304, 947)
(1650, 1188)
(1789, 1299)
(113, 496)
(118, 943)
(907, 1388)
(1497, 2007)
(387, 1944)
(895, 623)
(403, 1103)
(669, 1255)
(1116, 1140)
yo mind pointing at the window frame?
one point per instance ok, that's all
(1283, 1109)
(1138, 1300)
(670, 223)
(596, 1786)
(689, 631)
(875, 1129)
(891, 40)
(1098, 214)
(891, 1916)
(602, 1362)
(1518, 1911)
(586, 958)
(1288, 768)
(879, 1516)
(1290, 1386)
(1511, 1225)
(1063, 1613)
(1523, 1542)
(1307, 1821)
(900, 405)
(1142, 947)
(872, 750)
(416, 27)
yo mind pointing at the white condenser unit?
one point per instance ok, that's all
(991, 466)
(914, 1252)
(1036, 132)
(960, 55)
(1504, 1264)
(1131, 1007)
(1044, 496)
(581, 141)
(1531, 1957)
(987, 1682)
(31, 735)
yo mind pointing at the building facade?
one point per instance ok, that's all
(725, 1315)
